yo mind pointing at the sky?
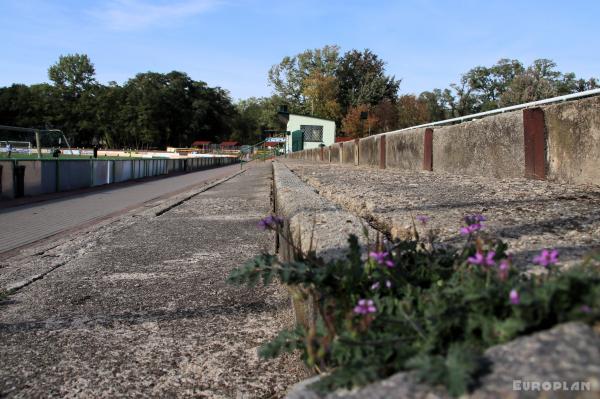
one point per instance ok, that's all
(233, 43)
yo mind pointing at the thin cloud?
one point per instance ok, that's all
(139, 14)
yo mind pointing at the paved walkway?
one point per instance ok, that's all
(29, 223)
(140, 307)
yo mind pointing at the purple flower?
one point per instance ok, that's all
(423, 219)
(474, 219)
(382, 258)
(480, 259)
(546, 258)
(514, 297)
(471, 228)
(377, 285)
(503, 269)
(270, 222)
(365, 306)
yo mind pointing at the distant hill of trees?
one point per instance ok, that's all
(153, 110)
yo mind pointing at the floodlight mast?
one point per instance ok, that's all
(37, 135)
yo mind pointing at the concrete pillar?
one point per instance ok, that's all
(535, 143)
(428, 150)
(382, 152)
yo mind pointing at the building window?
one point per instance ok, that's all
(312, 133)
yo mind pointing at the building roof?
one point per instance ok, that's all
(201, 142)
(229, 144)
(313, 117)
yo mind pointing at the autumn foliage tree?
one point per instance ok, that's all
(354, 126)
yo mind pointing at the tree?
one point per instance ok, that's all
(355, 126)
(289, 77)
(537, 82)
(73, 74)
(489, 84)
(362, 80)
(412, 111)
(321, 92)
(386, 114)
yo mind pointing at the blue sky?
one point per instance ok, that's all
(232, 43)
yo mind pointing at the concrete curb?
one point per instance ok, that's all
(311, 218)
(313, 222)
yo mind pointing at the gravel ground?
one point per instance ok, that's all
(139, 306)
(529, 214)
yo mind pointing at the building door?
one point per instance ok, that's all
(297, 140)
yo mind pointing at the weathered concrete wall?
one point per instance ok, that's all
(326, 153)
(573, 141)
(349, 152)
(335, 153)
(6, 176)
(404, 150)
(492, 146)
(369, 151)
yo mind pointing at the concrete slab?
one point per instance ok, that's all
(29, 223)
(529, 214)
(140, 307)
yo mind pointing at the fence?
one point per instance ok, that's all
(56, 175)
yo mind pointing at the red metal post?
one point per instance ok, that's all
(535, 143)
(428, 150)
(382, 152)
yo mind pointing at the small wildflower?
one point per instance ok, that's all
(514, 297)
(480, 259)
(546, 258)
(388, 284)
(503, 269)
(474, 219)
(365, 306)
(382, 258)
(270, 222)
(375, 286)
(423, 219)
(470, 229)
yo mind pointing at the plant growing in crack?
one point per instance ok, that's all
(402, 305)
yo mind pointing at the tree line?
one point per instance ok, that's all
(150, 110)
(343, 87)
(153, 110)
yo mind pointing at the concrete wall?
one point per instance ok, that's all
(559, 142)
(348, 153)
(404, 150)
(335, 153)
(6, 179)
(48, 176)
(491, 146)
(368, 151)
(573, 141)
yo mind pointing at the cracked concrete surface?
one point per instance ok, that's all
(140, 307)
(528, 214)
